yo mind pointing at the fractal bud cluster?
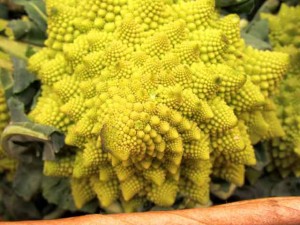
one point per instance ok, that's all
(285, 151)
(154, 97)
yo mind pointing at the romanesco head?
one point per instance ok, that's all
(150, 95)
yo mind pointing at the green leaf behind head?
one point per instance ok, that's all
(36, 11)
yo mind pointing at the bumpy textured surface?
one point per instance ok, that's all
(7, 165)
(285, 151)
(151, 95)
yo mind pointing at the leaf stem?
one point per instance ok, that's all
(6, 64)
(39, 12)
(15, 48)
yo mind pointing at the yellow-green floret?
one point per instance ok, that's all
(151, 94)
(285, 37)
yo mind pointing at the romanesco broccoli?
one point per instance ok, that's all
(151, 94)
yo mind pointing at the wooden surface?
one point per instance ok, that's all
(271, 211)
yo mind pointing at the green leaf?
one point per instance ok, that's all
(91, 207)
(267, 7)
(27, 31)
(291, 2)
(26, 141)
(20, 84)
(255, 42)
(259, 29)
(7, 82)
(263, 158)
(16, 109)
(28, 96)
(236, 6)
(30, 51)
(253, 175)
(3, 11)
(57, 191)
(36, 12)
(228, 3)
(287, 187)
(55, 214)
(26, 86)
(22, 138)
(262, 155)
(28, 179)
(15, 48)
(22, 77)
(16, 208)
(262, 188)
(31, 30)
(222, 189)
